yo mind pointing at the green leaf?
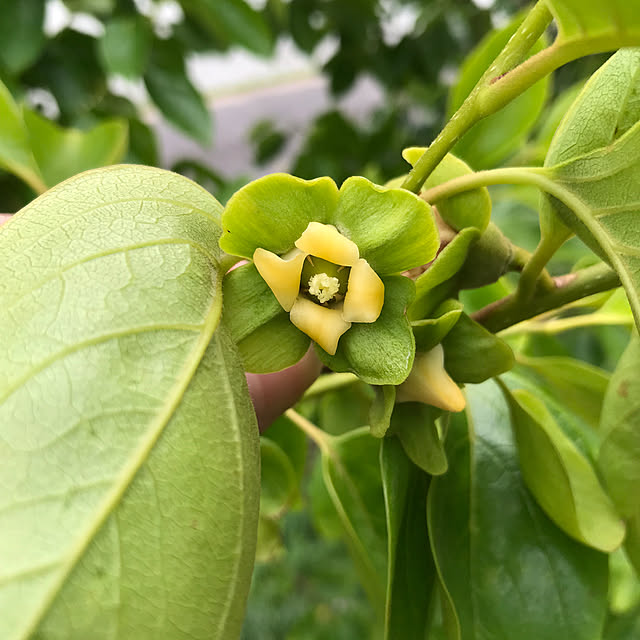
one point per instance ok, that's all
(495, 137)
(278, 483)
(415, 425)
(603, 190)
(381, 352)
(381, 409)
(345, 408)
(469, 209)
(266, 339)
(473, 354)
(125, 46)
(619, 459)
(15, 152)
(606, 108)
(562, 480)
(393, 228)
(411, 575)
(273, 211)
(21, 34)
(625, 627)
(232, 22)
(61, 153)
(581, 23)
(172, 92)
(346, 492)
(624, 585)
(128, 442)
(446, 265)
(431, 332)
(578, 385)
(489, 538)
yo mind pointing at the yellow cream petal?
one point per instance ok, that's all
(326, 242)
(322, 325)
(365, 294)
(281, 274)
(429, 382)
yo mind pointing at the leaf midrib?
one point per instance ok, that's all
(135, 461)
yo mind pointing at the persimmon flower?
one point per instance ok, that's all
(327, 260)
(323, 283)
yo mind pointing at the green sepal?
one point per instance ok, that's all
(473, 354)
(266, 339)
(381, 409)
(431, 331)
(469, 209)
(487, 260)
(560, 477)
(414, 423)
(393, 228)
(381, 352)
(273, 211)
(446, 265)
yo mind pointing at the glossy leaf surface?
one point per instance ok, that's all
(411, 574)
(508, 570)
(128, 442)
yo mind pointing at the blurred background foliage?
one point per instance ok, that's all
(63, 110)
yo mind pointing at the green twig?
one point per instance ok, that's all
(330, 382)
(481, 101)
(510, 310)
(319, 437)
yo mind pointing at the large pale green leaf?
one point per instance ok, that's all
(492, 139)
(15, 153)
(128, 444)
(606, 108)
(561, 478)
(508, 571)
(411, 575)
(61, 153)
(602, 189)
(619, 459)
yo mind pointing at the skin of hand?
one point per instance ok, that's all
(273, 393)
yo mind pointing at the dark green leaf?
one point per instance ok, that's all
(430, 332)
(21, 33)
(473, 354)
(411, 574)
(61, 153)
(233, 22)
(508, 571)
(625, 627)
(278, 484)
(126, 45)
(172, 92)
(128, 442)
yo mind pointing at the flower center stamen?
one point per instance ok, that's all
(323, 287)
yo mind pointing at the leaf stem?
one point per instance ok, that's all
(479, 103)
(319, 437)
(330, 382)
(512, 309)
